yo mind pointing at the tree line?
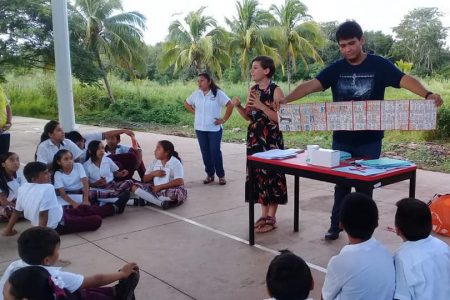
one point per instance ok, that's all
(106, 40)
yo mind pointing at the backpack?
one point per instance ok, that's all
(440, 213)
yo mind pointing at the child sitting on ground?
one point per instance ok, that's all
(364, 269)
(422, 263)
(39, 246)
(163, 182)
(10, 181)
(37, 199)
(289, 277)
(101, 171)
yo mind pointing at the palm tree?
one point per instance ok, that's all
(249, 36)
(297, 35)
(117, 37)
(198, 43)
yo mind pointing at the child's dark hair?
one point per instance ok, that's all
(289, 277)
(413, 218)
(49, 128)
(36, 243)
(348, 30)
(92, 150)
(4, 178)
(170, 149)
(56, 159)
(74, 136)
(117, 136)
(35, 283)
(32, 170)
(213, 86)
(359, 216)
(266, 62)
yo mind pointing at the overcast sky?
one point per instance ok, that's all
(372, 15)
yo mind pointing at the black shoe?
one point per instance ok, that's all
(121, 203)
(165, 204)
(125, 288)
(332, 234)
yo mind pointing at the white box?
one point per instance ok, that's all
(326, 158)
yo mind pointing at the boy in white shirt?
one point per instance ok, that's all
(364, 269)
(289, 277)
(422, 263)
(39, 246)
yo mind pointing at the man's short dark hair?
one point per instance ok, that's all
(74, 136)
(36, 243)
(348, 30)
(413, 218)
(266, 62)
(32, 170)
(288, 277)
(359, 216)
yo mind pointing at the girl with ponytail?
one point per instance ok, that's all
(163, 183)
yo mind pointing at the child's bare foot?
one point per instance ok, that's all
(9, 232)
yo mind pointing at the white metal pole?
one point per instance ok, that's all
(62, 63)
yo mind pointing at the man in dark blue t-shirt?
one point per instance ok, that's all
(358, 76)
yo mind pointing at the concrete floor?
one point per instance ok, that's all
(198, 250)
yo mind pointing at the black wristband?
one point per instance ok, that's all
(428, 94)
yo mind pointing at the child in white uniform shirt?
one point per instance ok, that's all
(364, 269)
(52, 140)
(39, 246)
(289, 277)
(164, 178)
(10, 181)
(422, 263)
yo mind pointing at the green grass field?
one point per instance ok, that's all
(149, 106)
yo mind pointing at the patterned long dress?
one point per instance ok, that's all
(263, 135)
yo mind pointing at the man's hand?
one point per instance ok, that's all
(437, 99)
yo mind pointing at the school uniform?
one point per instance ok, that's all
(127, 158)
(47, 150)
(71, 183)
(363, 271)
(89, 137)
(66, 280)
(13, 185)
(422, 270)
(207, 108)
(34, 198)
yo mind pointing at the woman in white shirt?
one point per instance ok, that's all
(206, 103)
(10, 181)
(163, 182)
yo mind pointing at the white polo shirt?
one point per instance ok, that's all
(362, 271)
(207, 108)
(72, 181)
(47, 150)
(423, 270)
(34, 198)
(106, 170)
(173, 168)
(70, 281)
(14, 186)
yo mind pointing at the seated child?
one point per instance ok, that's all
(39, 246)
(422, 263)
(289, 277)
(364, 269)
(129, 158)
(52, 140)
(163, 182)
(37, 199)
(101, 171)
(10, 181)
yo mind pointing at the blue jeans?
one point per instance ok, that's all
(209, 142)
(371, 151)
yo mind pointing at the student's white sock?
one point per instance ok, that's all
(148, 197)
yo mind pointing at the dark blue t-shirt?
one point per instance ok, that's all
(366, 81)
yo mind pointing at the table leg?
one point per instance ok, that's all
(296, 202)
(251, 207)
(412, 185)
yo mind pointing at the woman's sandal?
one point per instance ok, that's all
(208, 179)
(261, 221)
(222, 181)
(268, 226)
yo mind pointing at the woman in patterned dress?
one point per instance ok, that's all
(264, 134)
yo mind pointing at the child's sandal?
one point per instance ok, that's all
(208, 179)
(261, 221)
(268, 226)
